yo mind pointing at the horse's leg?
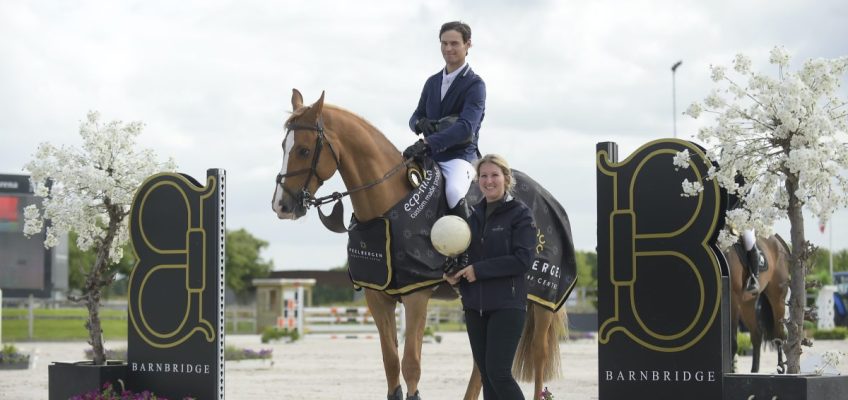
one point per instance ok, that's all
(475, 384)
(382, 309)
(415, 304)
(750, 319)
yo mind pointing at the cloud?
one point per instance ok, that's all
(212, 81)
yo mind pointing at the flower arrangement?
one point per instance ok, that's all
(108, 392)
(546, 394)
(11, 355)
(232, 353)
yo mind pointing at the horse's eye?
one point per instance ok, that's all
(303, 152)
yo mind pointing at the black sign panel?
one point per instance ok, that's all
(663, 303)
(176, 290)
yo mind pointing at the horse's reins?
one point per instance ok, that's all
(333, 221)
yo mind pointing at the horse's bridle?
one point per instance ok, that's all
(306, 198)
(333, 222)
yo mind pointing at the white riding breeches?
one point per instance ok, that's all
(749, 238)
(458, 175)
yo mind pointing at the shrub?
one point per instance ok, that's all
(272, 333)
(838, 333)
(743, 341)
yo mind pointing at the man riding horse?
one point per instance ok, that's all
(753, 260)
(449, 114)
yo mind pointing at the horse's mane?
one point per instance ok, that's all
(303, 110)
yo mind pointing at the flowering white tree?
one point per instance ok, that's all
(90, 191)
(787, 137)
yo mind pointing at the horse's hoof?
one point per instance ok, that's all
(415, 396)
(397, 395)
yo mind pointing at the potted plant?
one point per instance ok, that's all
(785, 136)
(89, 191)
(11, 358)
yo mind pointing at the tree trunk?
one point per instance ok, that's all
(98, 278)
(797, 273)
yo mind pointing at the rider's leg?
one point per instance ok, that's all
(754, 261)
(458, 175)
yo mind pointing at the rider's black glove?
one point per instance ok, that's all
(425, 126)
(418, 150)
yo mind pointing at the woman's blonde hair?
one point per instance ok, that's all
(500, 162)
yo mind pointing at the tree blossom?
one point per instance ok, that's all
(89, 190)
(77, 186)
(787, 137)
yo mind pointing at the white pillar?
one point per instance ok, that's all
(824, 302)
(299, 300)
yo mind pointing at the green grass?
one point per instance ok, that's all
(114, 327)
(243, 327)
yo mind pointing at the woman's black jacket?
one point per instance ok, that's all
(501, 251)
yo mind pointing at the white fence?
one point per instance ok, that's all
(335, 322)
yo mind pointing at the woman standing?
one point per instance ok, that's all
(493, 287)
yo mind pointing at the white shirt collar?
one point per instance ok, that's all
(448, 78)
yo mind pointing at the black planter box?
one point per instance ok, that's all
(785, 387)
(66, 380)
(15, 365)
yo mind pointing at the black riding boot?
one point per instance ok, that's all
(454, 264)
(461, 210)
(755, 262)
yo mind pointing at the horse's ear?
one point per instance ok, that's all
(297, 100)
(319, 105)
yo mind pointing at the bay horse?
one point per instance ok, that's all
(763, 312)
(322, 139)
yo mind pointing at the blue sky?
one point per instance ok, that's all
(212, 81)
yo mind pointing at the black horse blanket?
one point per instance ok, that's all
(393, 253)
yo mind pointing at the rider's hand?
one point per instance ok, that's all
(418, 150)
(425, 126)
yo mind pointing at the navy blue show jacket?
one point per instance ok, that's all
(466, 98)
(501, 251)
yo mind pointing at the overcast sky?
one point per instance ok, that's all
(212, 81)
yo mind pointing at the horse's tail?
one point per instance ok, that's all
(765, 320)
(523, 367)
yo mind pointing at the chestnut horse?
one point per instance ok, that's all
(322, 139)
(762, 313)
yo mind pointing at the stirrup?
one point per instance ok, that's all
(753, 285)
(397, 395)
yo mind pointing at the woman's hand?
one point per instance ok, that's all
(467, 273)
(452, 279)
